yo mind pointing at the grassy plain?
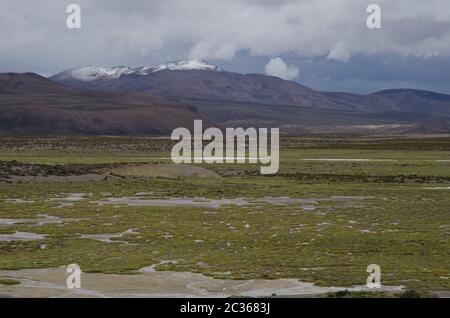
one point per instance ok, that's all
(366, 201)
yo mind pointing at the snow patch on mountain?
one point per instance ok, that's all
(187, 65)
(93, 73)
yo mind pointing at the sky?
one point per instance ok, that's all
(323, 44)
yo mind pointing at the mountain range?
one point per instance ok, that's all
(153, 100)
(32, 104)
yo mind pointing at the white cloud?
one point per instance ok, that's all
(277, 67)
(34, 32)
(340, 52)
(209, 48)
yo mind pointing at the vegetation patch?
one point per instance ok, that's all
(401, 223)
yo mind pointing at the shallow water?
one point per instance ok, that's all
(150, 283)
(21, 236)
(18, 201)
(105, 237)
(72, 197)
(438, 188)
(194, 202)
(351, 159)
(42, 220)
(307, 203)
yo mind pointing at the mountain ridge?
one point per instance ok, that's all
(32, 104)
(205, 84)
(90, 73)
(154, 100)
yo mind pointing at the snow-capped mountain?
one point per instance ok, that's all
(187, 65)
(93, 73)
(116, 103)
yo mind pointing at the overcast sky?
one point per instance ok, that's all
(324, 44)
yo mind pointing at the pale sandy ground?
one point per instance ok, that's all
(163, 170)
(150, 283)
(130, 170)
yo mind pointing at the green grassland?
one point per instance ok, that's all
(401, 220)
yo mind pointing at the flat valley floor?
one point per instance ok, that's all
(140, 226)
